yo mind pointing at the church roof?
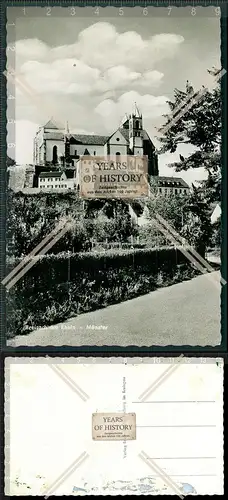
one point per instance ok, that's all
(125, 133)
(99, 140)
(146, 137)
(89, 140)
(52, 125)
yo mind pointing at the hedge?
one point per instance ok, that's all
(64, 285)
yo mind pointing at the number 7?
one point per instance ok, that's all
(169, 10)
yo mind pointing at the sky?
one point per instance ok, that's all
(89, 71)
(184, 419)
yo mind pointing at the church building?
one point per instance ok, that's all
(58, 148)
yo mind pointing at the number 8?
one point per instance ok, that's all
(193, 11)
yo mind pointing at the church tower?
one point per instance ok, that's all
(136, 132)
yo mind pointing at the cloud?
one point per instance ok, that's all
(72, 76)
(151, 107)
(31, 49)
(61, 76)
(101, 46)
(101, 59)
(92, 82)
(151, 78)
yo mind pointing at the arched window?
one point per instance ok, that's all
(54, 155)
(117, 156)
(137, 125)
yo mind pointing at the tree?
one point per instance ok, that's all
(188, 215)
(112, 220)
(200, 126)
(25, 224)
(32, 217)
(171, 208)
(197, 228)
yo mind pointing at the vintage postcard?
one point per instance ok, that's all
(90, 426)
(114, 176)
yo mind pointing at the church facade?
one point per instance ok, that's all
(58, 148)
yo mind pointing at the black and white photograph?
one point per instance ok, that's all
(114, 176)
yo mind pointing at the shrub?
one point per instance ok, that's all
(60, 286)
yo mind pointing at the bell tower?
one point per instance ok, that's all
(136, 132)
